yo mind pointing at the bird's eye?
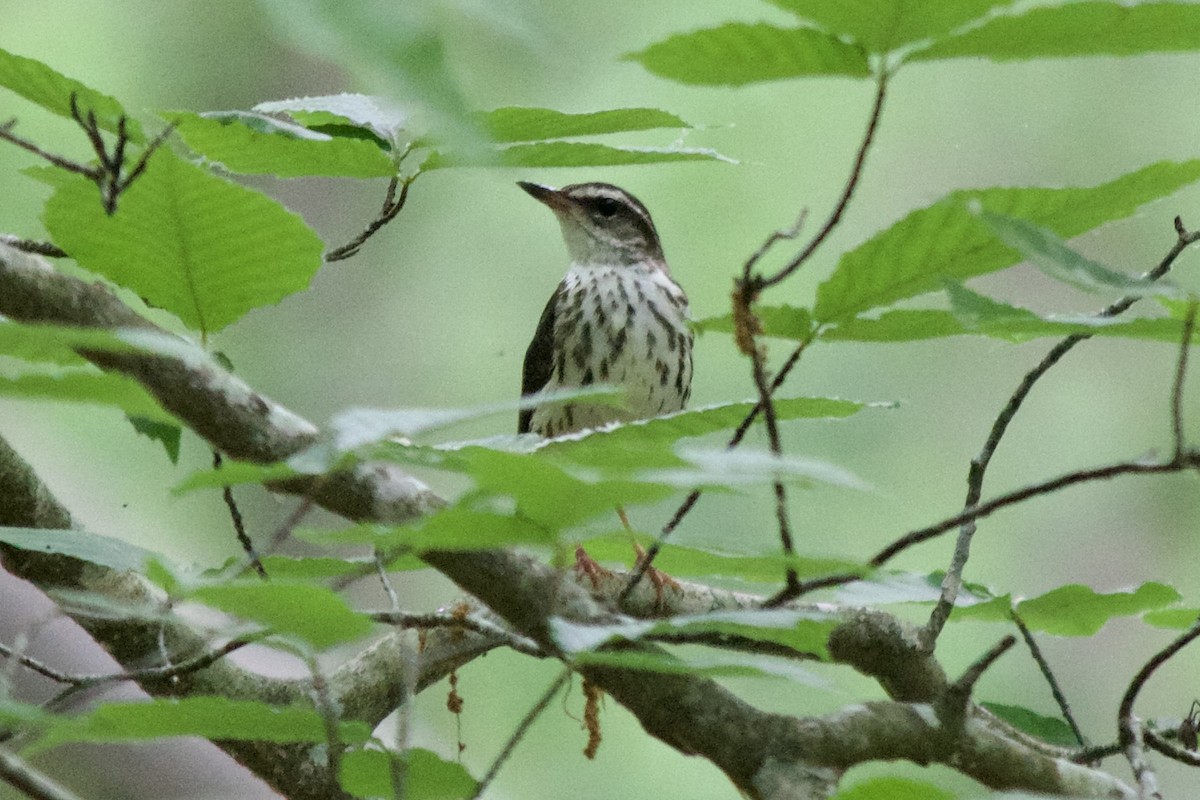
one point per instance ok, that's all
(606, 206)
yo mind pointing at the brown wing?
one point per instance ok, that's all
(539, 359)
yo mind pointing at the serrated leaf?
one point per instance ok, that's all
(738, 53)
(374, 114)
(368, 773)
(1076, 29)
(166, 434)
(454, 528)
(87, 386)
(1076, 610)
(208, 717)
(187, 241)
(640, 444)
(721, 467)
(523, 124)
(313, 613)
(91, 547)
(258, 145)
(945, 240)
(801, 630)
(893, 789)
(1052, 256)
(52, 90)
(884, 25)
(1051, 730)
(591, 154)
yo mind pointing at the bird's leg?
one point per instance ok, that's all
(589, 567)
(659, 579)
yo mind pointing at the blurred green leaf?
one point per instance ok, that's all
(52, 90)
(1173, 618)
(187, 241)
(1075, 610)
(722, 467)
(738, 53)
(1076, 29)
(459, 527)
(1051, 730)
(518, 124)
(1052, 256)
(91, 547)
(208, 717)
(884, 25)
(336, 112)
(166, 434)
(695, 562)
(947, 240)
(87, 386)
(368, 773)
(251, 143)
(893, 789)
(785, 322)
(313, 613)
(55, 344)
(572, 154)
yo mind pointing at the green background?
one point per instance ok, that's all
(437, 310)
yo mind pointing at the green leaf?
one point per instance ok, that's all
(573, 154)
(707, 563)
(208, 717)
(633, 446)
(234, 473)
(884, 25)
(187, 241)
(1076, 610)
(52, 90)
(518, 124)
(335, 112)
(803, 631)
(87, 386)
(893, 789)
(313, 613)
(946, 240)
(368, 773)
(721, 467)
(738, 53)
(785, 322)
(1076, 29)
(166, 434)
(1052, 730)
(56, 344)
(254, 144)
(91, 547)
(1052, 256)
(459, 527)
(1174, 618)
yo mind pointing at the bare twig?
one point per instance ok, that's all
(952, 582)
(16, 772)
(1059, 697)
(402, 619)
(392, 205)
(860, 159)
(239, 523)
(108, 177)
(519, 733)
(1185, 346)
(1129, 730)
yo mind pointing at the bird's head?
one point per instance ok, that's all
(602, 224)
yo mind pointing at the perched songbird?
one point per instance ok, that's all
(617, 317)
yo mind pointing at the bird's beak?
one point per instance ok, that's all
(552, 197)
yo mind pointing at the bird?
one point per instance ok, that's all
(617, 317)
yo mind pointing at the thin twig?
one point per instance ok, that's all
(392, 206)
(952, 582)
(1055, 689)
(239, 523)
(385, 580)
(520, 731)
(402, 619)
(847, 193)
(1128, 728)
(16, 772)
(1185, 346)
